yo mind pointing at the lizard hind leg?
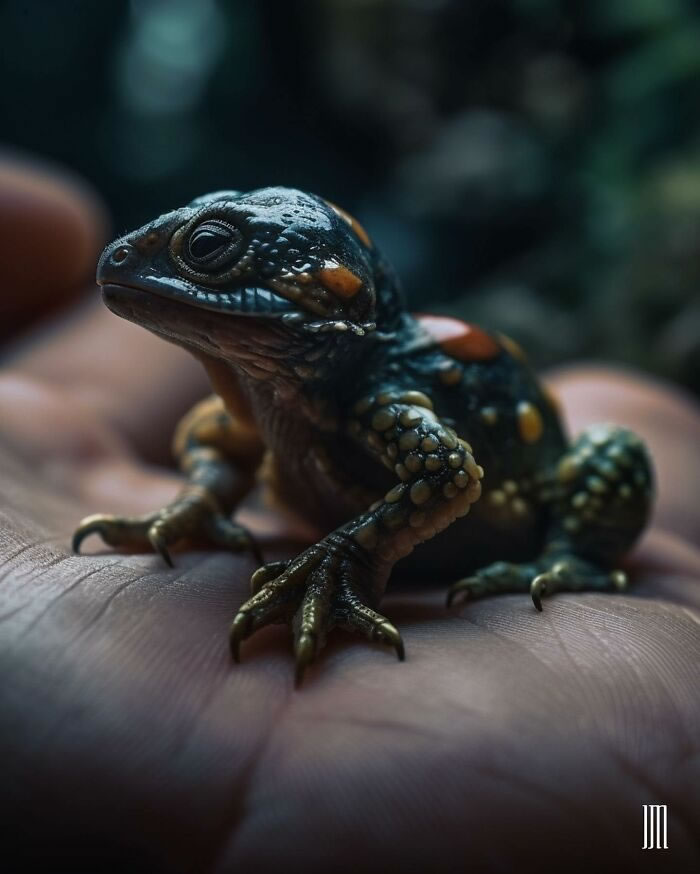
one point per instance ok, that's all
(599, 497)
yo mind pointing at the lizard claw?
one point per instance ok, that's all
(159, 543)
(313, 593)
(127, 531)
(183, 520)
(240, 628)
(89, 525)
(265, 573)
(388, 633)
(544, 577)
(539, 588)
(304, 651)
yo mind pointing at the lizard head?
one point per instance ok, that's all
(263, 263)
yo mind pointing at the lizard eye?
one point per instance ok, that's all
(212, 244)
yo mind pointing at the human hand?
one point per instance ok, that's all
(506, 739)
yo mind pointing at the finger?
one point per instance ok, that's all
(52, 228)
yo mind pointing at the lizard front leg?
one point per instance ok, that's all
(219, 456)
(340, 580)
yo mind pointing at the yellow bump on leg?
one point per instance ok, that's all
(476, 471)
(461, 479)
(409, 440)
(394, 516)
(394, 495)
(417, 398)
(383, 419)
(530, 424)
(414, 462)
(402, 472)
(448, 439)
(411, 417)
(429, 444)
(420, 492)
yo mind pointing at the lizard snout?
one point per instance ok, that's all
(114, 261)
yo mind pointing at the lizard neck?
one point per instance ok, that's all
(289, 393)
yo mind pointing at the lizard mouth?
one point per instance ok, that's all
(245, 301)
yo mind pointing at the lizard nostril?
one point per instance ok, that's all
(120, 255)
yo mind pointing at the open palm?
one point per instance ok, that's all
(507, 739)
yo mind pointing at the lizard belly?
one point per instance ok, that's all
(316, 489)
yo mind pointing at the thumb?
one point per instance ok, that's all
(52, 227)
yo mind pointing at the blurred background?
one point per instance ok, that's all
(531, 165)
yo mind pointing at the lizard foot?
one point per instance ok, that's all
(539, 578)
(192, 517)
(320, 589)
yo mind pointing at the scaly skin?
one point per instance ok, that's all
(383, 428)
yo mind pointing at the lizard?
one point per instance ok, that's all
(415, 443)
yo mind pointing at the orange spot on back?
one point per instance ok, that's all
(353, 222)
(459, 339)
(339, 280)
